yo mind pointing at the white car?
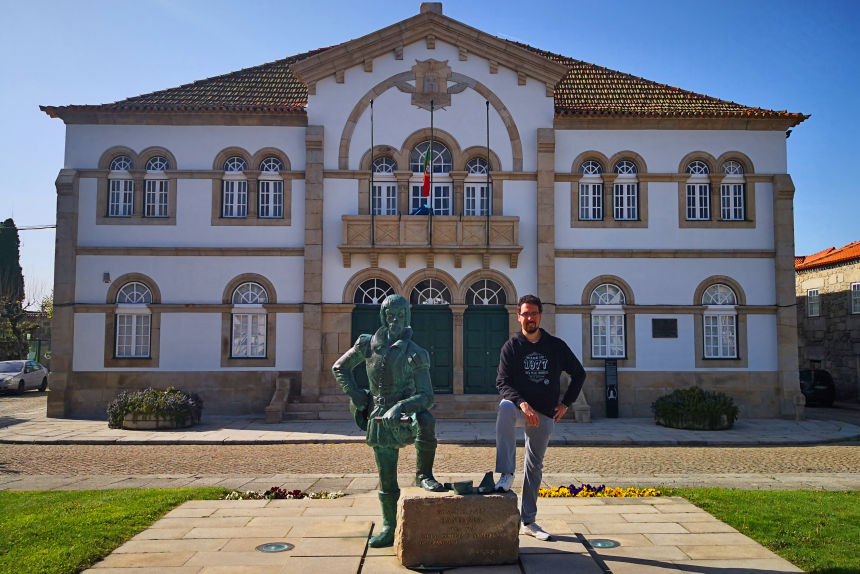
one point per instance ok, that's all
(19, 376)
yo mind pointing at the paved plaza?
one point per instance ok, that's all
(655, 534)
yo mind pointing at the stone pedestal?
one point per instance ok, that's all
(446, 529)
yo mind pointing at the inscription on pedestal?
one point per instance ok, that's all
(446, 529)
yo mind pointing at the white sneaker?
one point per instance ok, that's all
(506, 481)
(534, 530)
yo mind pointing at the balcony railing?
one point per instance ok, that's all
(440, 234)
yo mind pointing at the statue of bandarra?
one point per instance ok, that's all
(395, 409)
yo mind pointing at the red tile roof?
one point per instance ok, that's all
(829, 256)
(586, 90)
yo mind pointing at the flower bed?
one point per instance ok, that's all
(602, 491)
(154, 409)
(280, 494)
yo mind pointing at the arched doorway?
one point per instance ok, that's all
(485, 330)
(433, 326)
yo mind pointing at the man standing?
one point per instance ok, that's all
(530, 369)
(394, 411)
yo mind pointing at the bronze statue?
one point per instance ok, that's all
(395, 409)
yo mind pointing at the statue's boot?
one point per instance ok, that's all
(388, 501)
(426, 454)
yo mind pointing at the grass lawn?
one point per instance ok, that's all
(814, 530)
(68, 531)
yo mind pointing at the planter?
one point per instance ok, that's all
(145, 421)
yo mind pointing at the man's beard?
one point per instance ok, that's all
(530, 327)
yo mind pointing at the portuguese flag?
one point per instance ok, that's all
(425, 188)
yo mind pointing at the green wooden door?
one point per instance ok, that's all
(365, 319)
(485, 330)
(433, 327)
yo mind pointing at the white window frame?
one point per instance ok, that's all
(270, 194)
(813, 303)
(120, 195)
(732, 195)
(476, 199)
(156, 197)
(384, 198)
(698, 201)
(720, 332)
(441, 198)
(608, 333)
(855, 298)
(626, 200)
(590, 201)
(134, 325)
(234, 197)
(248, 332)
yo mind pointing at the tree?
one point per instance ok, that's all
(12, 286)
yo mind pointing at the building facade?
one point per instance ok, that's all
(233, 236)
(828, 315)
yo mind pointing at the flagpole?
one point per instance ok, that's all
(372, 213)
(430, 220)
(489, 192)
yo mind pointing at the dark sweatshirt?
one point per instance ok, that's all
(531, 372)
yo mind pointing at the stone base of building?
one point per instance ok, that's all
(87, 394)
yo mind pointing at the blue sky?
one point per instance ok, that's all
(777, 54)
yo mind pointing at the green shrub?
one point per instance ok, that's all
(695, 408)
(170, 404)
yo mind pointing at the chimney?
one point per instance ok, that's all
(431, 8)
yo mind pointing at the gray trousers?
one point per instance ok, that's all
(509, 418)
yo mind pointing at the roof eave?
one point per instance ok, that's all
(97, 115)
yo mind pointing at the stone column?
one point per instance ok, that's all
(253, 178)
(458, 311)
(311, 311)
(546, 225)
(786, 314)
(63, 322)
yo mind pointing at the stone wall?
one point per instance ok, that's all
(833, 338)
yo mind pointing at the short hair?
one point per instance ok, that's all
(531, 300)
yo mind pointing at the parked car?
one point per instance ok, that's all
(817, 386)
(19, 376)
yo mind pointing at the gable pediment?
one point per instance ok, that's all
(429, 27)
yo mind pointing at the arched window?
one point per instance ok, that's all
(133, 321)
(156, 188)
(430, 292)
(270, 188)
(486, 292)
(732, 192)
(372, 292)
(440, 164)
(234, 188)
(591, 191)
(384, 199)
(625, 192)
(249, 321)
(720, 322)
(607, 322)
(477, 189)
(698, 191)
(120, 187)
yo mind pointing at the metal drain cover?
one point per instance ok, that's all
(604, 543)
(275, 547)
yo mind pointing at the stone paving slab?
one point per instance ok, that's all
(204, 543)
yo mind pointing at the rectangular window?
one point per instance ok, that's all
(121, 200)
(249, 335)
(607, 336)
(626, 201)
(271, 199)
(813, 303)
(155, 199)
(440, 199)
(477, 200)
(720, 337)
(590, 201)
(698, 201)
(385, 199)
(732, 201)
(855, 297)
(234, 199)
(132, 335)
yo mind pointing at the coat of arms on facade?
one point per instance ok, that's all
(431, 83)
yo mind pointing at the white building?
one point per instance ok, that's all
(219, 236)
